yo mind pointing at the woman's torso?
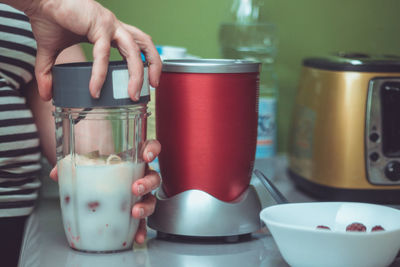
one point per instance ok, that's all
(19, 142)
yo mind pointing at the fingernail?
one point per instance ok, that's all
(97, 95)
(140, 189)
(150, 156)
(141, 212)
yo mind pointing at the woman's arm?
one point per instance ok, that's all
(42, 111)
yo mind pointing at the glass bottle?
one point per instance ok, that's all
(247, 37)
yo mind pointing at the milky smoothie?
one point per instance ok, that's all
(96, 201)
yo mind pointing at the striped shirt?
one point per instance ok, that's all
(19, 142)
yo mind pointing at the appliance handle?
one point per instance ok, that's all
(274, 192)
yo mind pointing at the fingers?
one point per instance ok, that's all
(44, 61)
(135, 69)
(140, 236)
(146, 184)
(101, 55)
(146, 45)
(54, 174)
(152, 149)
(143, 187)
(131, 52)
(145, 207)
(154, 69)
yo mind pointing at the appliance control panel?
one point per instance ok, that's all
(382, 135)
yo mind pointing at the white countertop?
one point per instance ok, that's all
(45, 245)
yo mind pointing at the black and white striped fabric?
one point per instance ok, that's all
(19, 142)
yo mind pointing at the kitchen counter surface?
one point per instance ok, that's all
(45, 245)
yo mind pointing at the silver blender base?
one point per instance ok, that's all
(196, 213)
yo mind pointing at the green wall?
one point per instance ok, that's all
(305, 28)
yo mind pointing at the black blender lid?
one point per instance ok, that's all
(358, 62)
(71, 86)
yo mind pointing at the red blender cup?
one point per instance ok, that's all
(206, 122)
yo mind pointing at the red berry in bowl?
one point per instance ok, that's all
(324, 227)
(356, 227)
(377, 228)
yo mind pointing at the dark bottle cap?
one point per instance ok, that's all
(71, 86)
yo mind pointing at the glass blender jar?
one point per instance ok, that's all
(99, 155)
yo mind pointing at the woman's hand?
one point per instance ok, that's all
(142, 187)
(58, 24)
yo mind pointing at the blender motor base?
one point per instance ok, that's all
(196, 214)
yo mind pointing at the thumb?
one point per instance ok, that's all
(44, 61)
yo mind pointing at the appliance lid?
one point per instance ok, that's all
(71, 86)
(358, 62)
(210, 66)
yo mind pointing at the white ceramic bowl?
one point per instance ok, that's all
(293, 227)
